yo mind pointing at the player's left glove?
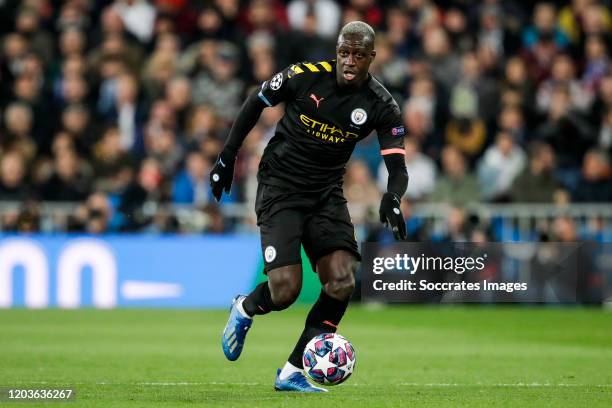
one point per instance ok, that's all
(391, 215)
(222, 174)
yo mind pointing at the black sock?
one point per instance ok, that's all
(259, 301)
(324, 317)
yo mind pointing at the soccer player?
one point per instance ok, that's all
(329, 107)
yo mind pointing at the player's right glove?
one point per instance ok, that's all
(222, 174)
(391, 215)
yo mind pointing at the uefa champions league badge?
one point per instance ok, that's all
(276, 81)
(359, 116)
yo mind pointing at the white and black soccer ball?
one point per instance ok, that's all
(329, 359)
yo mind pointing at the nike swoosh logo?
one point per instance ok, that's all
(221, 162)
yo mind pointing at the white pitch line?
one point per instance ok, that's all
(404, 384)
(518, 385)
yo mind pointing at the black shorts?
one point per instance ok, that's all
(319, 221)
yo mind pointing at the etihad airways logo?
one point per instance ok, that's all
(326, 132)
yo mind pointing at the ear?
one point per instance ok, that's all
(373, 54)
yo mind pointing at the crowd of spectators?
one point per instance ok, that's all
(123, 105)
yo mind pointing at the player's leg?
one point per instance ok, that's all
(280, 240)
(329, 241)
(277, 293)
(337, 275)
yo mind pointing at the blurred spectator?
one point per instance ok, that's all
(563, 75)
(455, 185)
(72, 43)
(465, 129)
(499, 166)
(537, 183)
(400, 32)
(13, 184)
(202, 124)
(517, 78)
(387, 66)
(604, 141)
(456, 23)
(566, 130)
(425, 13)
(98, 213)
(603, 102)
(18, 123)
(584, 17)
(178, 95)
(220, 88)
(597, 64)
(326, 14)
(117, 50)
(265, 15)
(360, 190)
(544, 24)
(457, 226)
(595, 185)
(292, 49)
(138, 17)
(421, 171)
(485, 89)
(28, 24)
(111, 162)
(141, 196)
(76, 122)
(127, 111)
(511, 120)
(538, 58)
(93, 216)
(492, 35)
(69, 181)
(162, 144)
(28, 220)
(369, 11)
(74, 91)
(191, 185)
(158, 70)
(444, 62)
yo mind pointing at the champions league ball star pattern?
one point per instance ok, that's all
(329, 359)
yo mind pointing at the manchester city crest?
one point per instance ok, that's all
(359, 116)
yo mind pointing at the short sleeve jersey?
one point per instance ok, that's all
(322, 124)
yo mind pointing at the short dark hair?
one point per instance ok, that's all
(359, 28)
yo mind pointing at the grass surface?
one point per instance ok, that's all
(411, 356)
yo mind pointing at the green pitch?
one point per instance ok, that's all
(408, 356)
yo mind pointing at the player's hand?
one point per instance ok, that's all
(391, 215)
(222, 174)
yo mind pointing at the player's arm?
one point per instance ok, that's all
(222, 173)
(391, 138)
(271, 93)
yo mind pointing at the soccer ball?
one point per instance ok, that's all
(329, 359)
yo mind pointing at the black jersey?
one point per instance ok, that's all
(322, 124)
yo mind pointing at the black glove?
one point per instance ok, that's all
(391, 215)
(222, 174)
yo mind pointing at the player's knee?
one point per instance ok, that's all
(284, 294)
(342, 281)
(341, 287)
(284, 288)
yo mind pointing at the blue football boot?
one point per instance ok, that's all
(295, 382)
(235, 331)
